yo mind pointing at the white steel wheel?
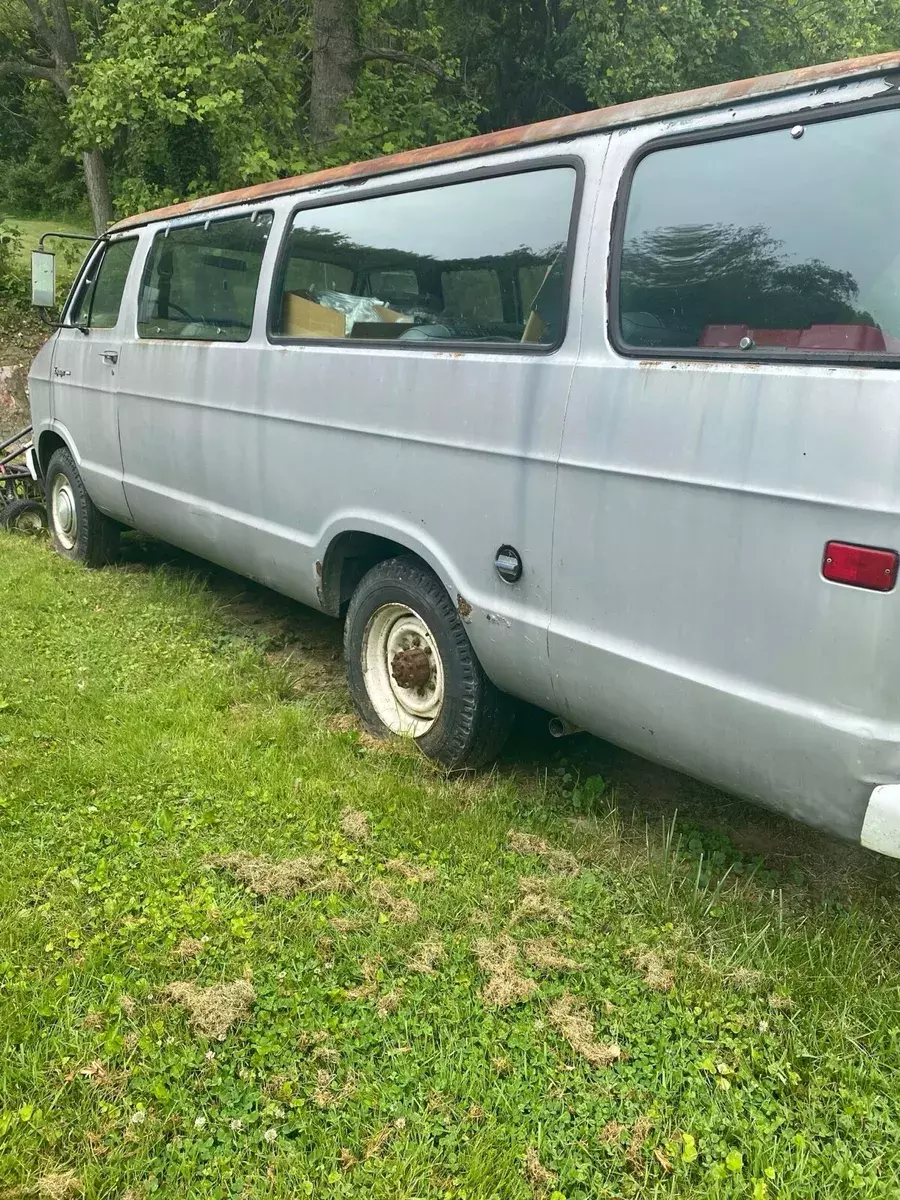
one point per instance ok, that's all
(64, 511)
(402, 670)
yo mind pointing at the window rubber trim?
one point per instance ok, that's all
(456, 345)
(721, 133)
(162, 230)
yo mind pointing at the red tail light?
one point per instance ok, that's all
(860, 566)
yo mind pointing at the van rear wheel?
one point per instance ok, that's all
(78, 529)
(412, 670)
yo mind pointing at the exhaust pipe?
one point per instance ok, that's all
(560, 728)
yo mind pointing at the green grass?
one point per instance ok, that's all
(140, 735)
(31, 229)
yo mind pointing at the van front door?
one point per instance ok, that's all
(85, 367)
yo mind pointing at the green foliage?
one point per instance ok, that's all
(13, 279)
(187, 98)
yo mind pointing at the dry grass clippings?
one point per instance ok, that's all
(538, 904)
(611, 1132)
(651, 964)
(346, 924)
(561, 861)
(639, 1134)
(347, 1159)
(389, 1003)
(539, 1178)
(268, 877)
(188, 947)
(780, 1003)
(326, 1095)
(355, 825)
(400, 908)
(410, 871)
(424, 957)
(568, 1016)
(213, 1010)
(94, 1020)
(505, 986)
(127, 1005)
(379, 1140)
(744, 979)
(58, 1186)
(369, 971)
(544, 954)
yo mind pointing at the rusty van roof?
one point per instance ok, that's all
(719, 95)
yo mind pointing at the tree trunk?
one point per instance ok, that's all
(97, 183)
(335, 57)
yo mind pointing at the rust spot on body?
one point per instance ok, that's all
(463, 607)
(633, 112)
(319, 568)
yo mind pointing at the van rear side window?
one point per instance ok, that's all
(782, 242)
(433, 265)
(200, 280)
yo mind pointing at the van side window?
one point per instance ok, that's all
(200, 280)
(433, 264)
(100, 294)
(778, 241)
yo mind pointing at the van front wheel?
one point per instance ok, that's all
(78, 528)
(412, 670)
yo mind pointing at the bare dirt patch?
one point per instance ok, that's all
(652, 966)
(213, 1010)
(544, 954)
(425, 956)
(569, 1016)
(497, 958)
(552, 857)
(401, 908)
(354, 825)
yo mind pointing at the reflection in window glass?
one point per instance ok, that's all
(101, 292)
(435, 264)
(200, 280)
(788, 241)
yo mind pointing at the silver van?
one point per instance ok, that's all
(601, 414)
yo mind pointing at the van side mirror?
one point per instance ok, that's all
(43, 279)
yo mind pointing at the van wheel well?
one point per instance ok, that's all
(47, 446)
(347, 559)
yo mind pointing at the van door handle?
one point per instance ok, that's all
(110, 357)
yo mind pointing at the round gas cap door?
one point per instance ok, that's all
(508, 564)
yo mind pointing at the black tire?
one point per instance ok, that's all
(24, 516)
(94, 538)
(475, 717)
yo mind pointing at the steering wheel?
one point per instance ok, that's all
(191, 320)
